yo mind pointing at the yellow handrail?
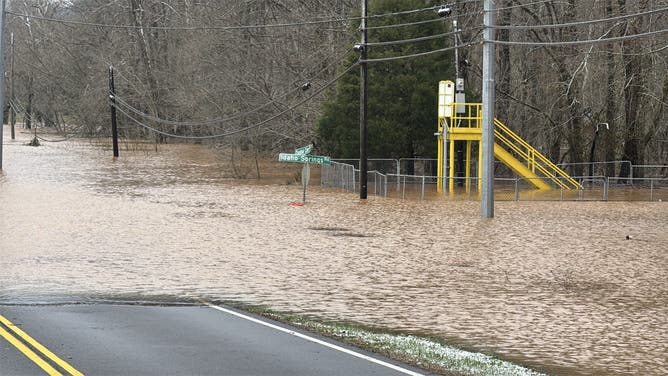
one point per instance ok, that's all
(534, 158)
(471, 117)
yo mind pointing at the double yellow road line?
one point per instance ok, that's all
(21, 340)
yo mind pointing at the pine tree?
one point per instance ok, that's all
(402, 104)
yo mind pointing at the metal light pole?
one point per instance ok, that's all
(2, 71)
(363, 106)
(12, 113)
(487, 200)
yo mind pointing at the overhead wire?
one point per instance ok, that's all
(244, 129)
(579, 42)
(415, 23)
(470, 13)
(209, 122)
(420, 39)
(578, 23)
(416, 55)
(222, 28)
(482, 11)
(18, 108)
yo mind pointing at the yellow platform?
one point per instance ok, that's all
(509, 148)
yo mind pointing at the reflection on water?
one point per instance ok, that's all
(555, 285)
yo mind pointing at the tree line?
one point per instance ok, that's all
(218, 67)
(194, 63)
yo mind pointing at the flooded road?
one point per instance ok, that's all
(553, 285)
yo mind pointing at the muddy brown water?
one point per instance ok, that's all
(552, 285)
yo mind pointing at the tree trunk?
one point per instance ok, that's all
(136, 14)
(633, 84)
(28, 114)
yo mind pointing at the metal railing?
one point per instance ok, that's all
(534, 159)
(424, 187)
(339, 175)
(613, 169)
(347, 177)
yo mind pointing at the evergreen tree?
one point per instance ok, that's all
(403, 94)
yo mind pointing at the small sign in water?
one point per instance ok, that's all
(301, 156)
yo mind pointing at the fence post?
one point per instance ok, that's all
(403, 193)
(517, 189)
(354, 180)
(422, 194)
(651, 189)
(399, 175)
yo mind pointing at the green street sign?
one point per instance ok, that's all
(305, 150)
(300, 158)
(317, 159)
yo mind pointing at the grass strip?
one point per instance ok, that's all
(428, 353)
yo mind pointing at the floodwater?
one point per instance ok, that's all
(556, 286)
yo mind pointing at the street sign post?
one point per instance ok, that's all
(301, 155)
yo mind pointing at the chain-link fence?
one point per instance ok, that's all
(430, 187)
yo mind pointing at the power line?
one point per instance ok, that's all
(577, 23)
(174, 28)
(420, 54)
(578, 42)
(227, 119)
(471, 13)
(18, 108)
(231, 133)
(222, 28)
(519, 5)
(403, 24)
(402, 41)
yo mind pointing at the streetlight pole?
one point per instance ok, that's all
(2, 71)
(487, 200)
(12, 113)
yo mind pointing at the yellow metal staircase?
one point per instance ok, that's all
(509, 148)
(526, 161)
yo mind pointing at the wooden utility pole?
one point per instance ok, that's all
(112, 98)
(363, 106)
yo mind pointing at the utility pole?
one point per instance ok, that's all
(363, 106)
(12, 113)
(2, 71)
(487, 200)
(455, 29)
(112, 98)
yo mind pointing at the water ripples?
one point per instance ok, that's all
(556, 286)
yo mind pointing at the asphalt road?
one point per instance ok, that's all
(156, 340)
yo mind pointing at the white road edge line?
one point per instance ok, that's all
(315, 340)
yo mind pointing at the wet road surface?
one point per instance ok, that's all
(157, 340)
